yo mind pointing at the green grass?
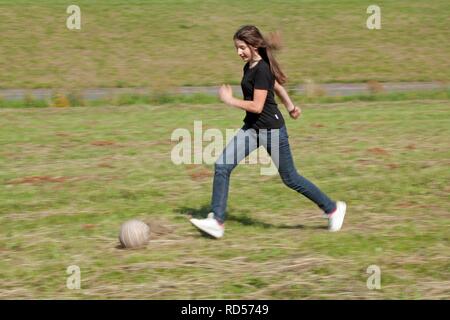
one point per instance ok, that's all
(201, 98)
(70, 176)
(160, 44)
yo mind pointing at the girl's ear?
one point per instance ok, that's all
(254, 50)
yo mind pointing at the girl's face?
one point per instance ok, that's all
(245, 51)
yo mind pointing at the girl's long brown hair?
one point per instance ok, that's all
(266, 47)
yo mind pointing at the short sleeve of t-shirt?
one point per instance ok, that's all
(263, 78)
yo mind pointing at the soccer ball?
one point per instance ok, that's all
(134, 234)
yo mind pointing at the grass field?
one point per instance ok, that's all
(70, 176)
(159, 44)
(75, 100)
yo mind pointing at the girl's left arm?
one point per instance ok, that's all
(254, 106)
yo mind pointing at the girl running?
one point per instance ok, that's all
(263, 125)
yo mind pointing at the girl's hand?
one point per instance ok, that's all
(226, 93)
(295, 113)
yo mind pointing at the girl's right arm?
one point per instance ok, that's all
(281, 92)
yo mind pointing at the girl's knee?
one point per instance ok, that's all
(223, 168)
(289, 179)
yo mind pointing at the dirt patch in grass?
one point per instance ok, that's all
(378, 151)
(366, 161)
(393, 166)
(105, 165)
(37, 180)
(62, 134)
(198, 173)
(201, 175)
(159, 229)
(102, 143)
(409, 204)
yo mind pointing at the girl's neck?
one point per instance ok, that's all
(254, 61)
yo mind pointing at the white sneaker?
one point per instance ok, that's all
(336, 219)
(209, 225)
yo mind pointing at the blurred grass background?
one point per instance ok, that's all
(73, 100)
(161, 44)
(70, 176)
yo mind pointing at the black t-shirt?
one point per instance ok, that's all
(261, 77)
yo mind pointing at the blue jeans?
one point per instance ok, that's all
(276, 142)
